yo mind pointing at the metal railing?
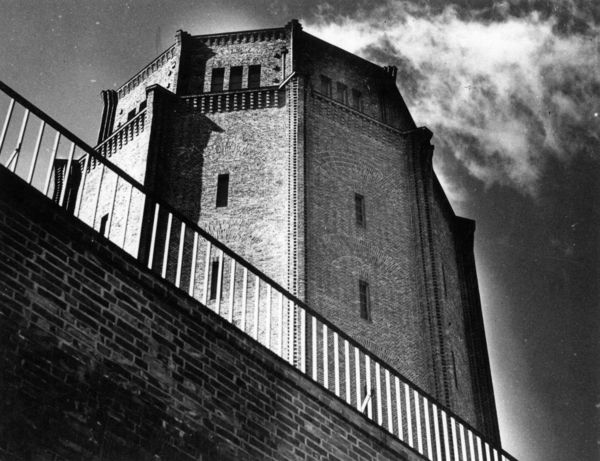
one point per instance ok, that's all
(113, 203)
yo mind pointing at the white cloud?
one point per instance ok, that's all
(503, 94)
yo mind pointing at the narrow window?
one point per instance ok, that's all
(326, 86)
(444, 280)
(455, 374)
(222, 190)
(130, 114)
(214, 279)
(365, 302)
(235, 78)
(356, 99)
(383, 108)
(342, 93)
(142, 105)
(359, 206)
(216, 82)
(254, 76)
(103, 222)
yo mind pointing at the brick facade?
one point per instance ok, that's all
(323, 126)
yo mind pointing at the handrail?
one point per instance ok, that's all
(296, 307)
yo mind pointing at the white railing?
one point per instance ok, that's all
(127, 213)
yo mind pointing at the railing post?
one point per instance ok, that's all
(463, 443)
(256, 307)
(479, 450)
(231, 290)
(325, 358)
(368, 385)
(180, 255)
(97, 196)
(418, 422)
(65, 186)
(127, 210)
(51, 164)
(112, 207)
(454, 438)
(15, 155)
(427, 428)
(408, 415)
(244, 299)
(314, 347)
(357, 376)
(336, 364)
(219, 283)
(302, 338)
(11, 106)
(445, 435)
(166, 248)
(82, 187)
(193, 265)
(36, 151)
(378, 393)
(153, 235)
(206, 269)
(281, 320)
(268, 319)
(471, 445)
(347, 372)
(436, 432)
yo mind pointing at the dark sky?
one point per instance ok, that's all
(511, 90)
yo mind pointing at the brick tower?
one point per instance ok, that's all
(305, 160)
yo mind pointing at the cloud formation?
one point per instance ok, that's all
(503, 88)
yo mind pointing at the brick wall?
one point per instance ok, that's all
(348, 154)
(250, 146)
(202, 54)
(457, 371)
(317, 58)
(162, 71)
(102, 360)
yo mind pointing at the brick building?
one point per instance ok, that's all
(304, 160)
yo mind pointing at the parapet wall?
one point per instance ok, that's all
(100, 359)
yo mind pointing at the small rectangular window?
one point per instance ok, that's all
(356, 100)
(216, 82)
(142, 105)
(254, 76)
(342, 93)
(365, 302)
(359, 207)
(130, 114)
(444, 280)
(455, 373)
(214, 279)
(222, 190)
(326, 86)
(235, 78)
(103, 222)
(383, 108)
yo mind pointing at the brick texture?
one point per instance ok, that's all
(294, 169)
(347, 154)
(103, 360)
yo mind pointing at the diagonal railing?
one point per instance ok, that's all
(67, 170)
